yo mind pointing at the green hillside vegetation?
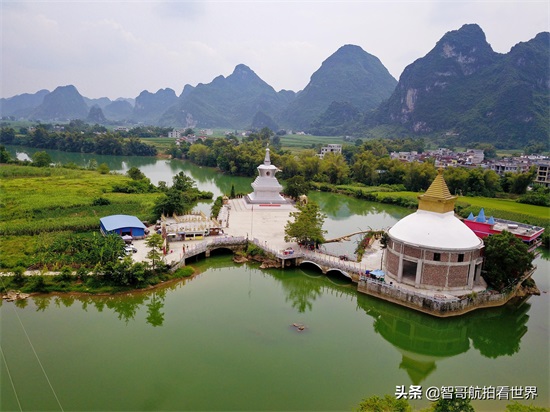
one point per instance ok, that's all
(463, 86)
(349, 75)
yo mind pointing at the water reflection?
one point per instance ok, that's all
(339, 207)
(125, 306)
(424, 340)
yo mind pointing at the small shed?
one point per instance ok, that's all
(124, 225)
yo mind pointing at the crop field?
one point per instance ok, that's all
(162, 144)
(295, 142)
(40, 203)
(507, 205)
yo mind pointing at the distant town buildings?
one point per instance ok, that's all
(475, 158)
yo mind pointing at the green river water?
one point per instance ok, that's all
(224, 339)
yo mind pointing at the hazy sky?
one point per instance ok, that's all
(119, 48)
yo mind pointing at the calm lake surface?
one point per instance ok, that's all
(224, 340)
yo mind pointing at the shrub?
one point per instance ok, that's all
(65, 275)
(19, 275)
(254, 250)
(184, 272)
(37, 284)
(100, 201)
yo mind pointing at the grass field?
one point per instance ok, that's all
(162, 144)
(39, 203)
(508, 209)
(507, 205)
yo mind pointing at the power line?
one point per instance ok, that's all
(35, 354)
(11, 380)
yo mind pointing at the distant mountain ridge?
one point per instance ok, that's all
(349, 75)
(64, 103)
(461, 88)
(230, 101)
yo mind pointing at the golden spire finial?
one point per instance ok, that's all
(437, 198)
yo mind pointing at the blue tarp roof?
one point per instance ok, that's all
(114, 222)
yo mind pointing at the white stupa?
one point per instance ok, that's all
(266, 186)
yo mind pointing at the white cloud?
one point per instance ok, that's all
(121, 48)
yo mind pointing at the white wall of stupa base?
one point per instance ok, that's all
(262, 197)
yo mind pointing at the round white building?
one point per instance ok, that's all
(432, 248)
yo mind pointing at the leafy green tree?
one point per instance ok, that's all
(307, 225)
(183, 182)
(506, 259)
(453, 405)
(456, 179)
(334, 166)
(5, 156)
(518, 407)
(155, 243)
(539, 196)
(170, 202)
(419, 176)
(386, 404)
(364, 168)
(41, 159)
(135, 174)
(199, 154)
(290, 165)
(232, 195)
(7, 135)
(296, 186)
(520, 181)
(103, 169)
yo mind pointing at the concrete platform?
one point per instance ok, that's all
(265, 223)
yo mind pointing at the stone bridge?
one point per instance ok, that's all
(237, 243)
(324, 262)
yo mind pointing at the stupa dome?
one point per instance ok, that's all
(434, 224)
(435, 230)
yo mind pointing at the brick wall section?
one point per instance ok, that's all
(434, 275)
(392, 263)
(412, 251)
(458, 276)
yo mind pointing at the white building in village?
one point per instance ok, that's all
(331, 148)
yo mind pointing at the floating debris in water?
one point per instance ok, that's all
(300, 327)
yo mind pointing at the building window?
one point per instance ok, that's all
(437, 257)
(461, 257)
